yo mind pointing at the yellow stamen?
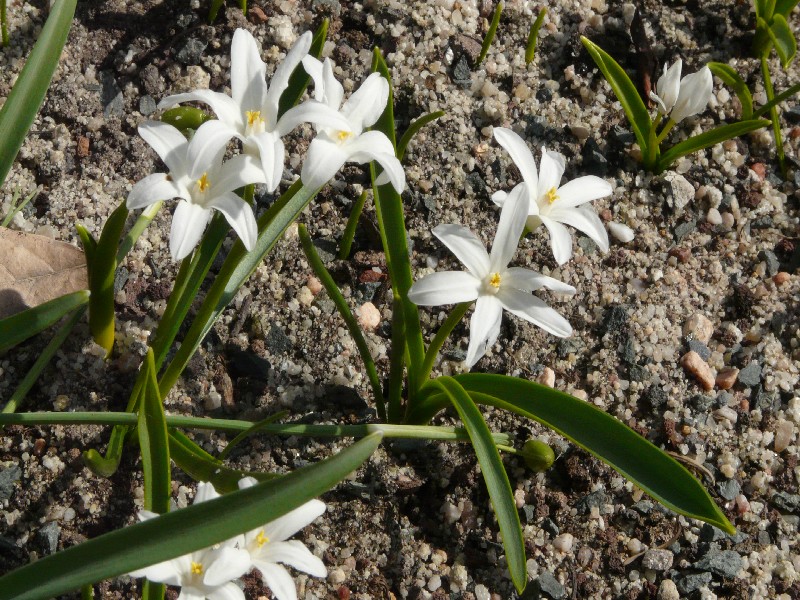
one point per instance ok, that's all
(261, 539)
(551, 194)
(203, 183)
(197, 568)
(344, 135)
(253, 116)
(494, 280)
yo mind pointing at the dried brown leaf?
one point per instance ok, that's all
(35, 269)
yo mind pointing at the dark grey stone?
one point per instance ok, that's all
(763, 538)
(529, 513)
(367, 290)
(277, 341)
(692, 582)
(766, 401)
(786, 502)
(594, 500)
(345, 397)
(47, 536)
(657, 560)
(326, 248)
(544, 94)
(638, 373)
(750, 376)
(644, 507)
(594, 161)
(763, 222)
(622, 136)
(549, 526)
(701, 403)
(729, 489)
(244, 363)
(793, 114)
(461, 71)
(568, 346)
(191, 51)
(535, 126)
(587, 245)
(725, 563)
(684, 229)
(709, 533)
(120, 278)
(147, 105)
(773, 264)
(655, 396)
(549, 585)
(628, 352)
(8, 477)
(476, 182)
(700, 348)
(111, 95)
(615, 320)
(456, 354)
(724, 399)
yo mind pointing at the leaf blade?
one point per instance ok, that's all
(19, 327)
(154, 443)
(783, 39)
(709, 138)
(731, 78)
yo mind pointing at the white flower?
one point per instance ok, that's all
(267, 546)
(251, 112)
(681, 98)
(489, 280)
(335, 145)
(198, 176)
(206, 573)
(552, 204)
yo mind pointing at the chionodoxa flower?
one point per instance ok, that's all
(681, 98)
(490, 280)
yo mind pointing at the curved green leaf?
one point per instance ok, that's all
(494, 474)
(413, 129)
(784, 7)
(783, 39)
(605, 437)
(533, 36)
(487, 41)
(181, 532)
(27, 95)
(708, 138)
(730, 77)
(19, 327)
(154, 444)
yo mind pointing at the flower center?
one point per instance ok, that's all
(551, 194)
(197, 568)
(203, 183)
(255, 122)
(343, 135)
(494, 280)
(491, 285)
(261, 539)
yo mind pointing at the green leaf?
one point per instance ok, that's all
(784, 95)
(730, 77)
(154, 443)
(487, 41)
(761, 7)
(602, 435)
(27, 95)
(533, 36)
(141, 223)
(626, 92)
(709, 138)
(783, 40)
(494, 474)
(784, 7)
(185, 118)
(89, 245)
(255, 428)
(180, 532)
(19, 327)
(299, 79)
(413, 129)
(350, 228)
(101, 280)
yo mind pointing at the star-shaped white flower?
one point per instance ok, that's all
(251, 112)
(552, 204)
(490, 280)
(335, 145)
(207, 573)
(198, 176)
(269, 545)
(681, 98)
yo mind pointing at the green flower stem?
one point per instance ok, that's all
(396, 361)
(667, 128)
(349, 320)
(773, 114)
(148, 214)
(350, 228)
(447, 327)
(3, 23)
(425, 432)
(41, 362)
(785, 95)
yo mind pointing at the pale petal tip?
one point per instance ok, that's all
(621, 232)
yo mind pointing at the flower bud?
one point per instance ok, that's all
(538, 455)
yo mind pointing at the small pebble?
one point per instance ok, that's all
(727, 220)
(698, 327)
(369, 317)
(434, 583)
(634, 546)
(547, 377)
(314, 285)
(726, 378)
(657, 560)
(563, 543)
(784, 432)
(714, 217)
(696, 366)
(781, 277)
(668, 591)
(726, 412)
(336, 576)
(621, 232)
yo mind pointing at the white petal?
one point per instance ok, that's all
(323, 159)
(363, 147)
(367, 103)
(207, 149)
(533, 309)
(315, 112)
(621, 232)
(313, 67)
(192, 593)
(286, 526)
(668, 85)
(334, 92)
(582, 190)
(150, 190)
(168, 143)
(165, 572)
(520, 154)
(696, 90)
(229, 591)
(583, 219)
(560, 240)
(280, 80)
(662, 108)
(223, 106)
(237, 172)
(467, 247)
(239, 216)
(272, 153)
(484, 327)
(188, 224)
(551, 169)
(530, 281)
(205, 490)
(444, 287)
(392, 172)
(277, 579)
(248, 72)
(294, 554)
(499, 197)
(225, 565)
(246, 482)
(512, 222)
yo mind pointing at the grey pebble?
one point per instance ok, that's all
(111, 95)
(48, 537)
(729, 489)
(684, 229)
(655, 396)
(786, 502)
(657, 560)
(589, 501)
(334, 7)
(549, 526)
(191, 52)
(628, 352)
(615, 319)
(8, 477)
(700, 348)
(147, 105)
(461, 71)
(550, 586)
(726, 563)
(277, 341)
(692, 582)
(701, 402)
(587, 245)
(750, 376)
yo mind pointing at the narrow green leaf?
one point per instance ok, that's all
(626, 92)
(760, 7)
(350, 228)
(19, 327)
(784, 7)
(181, 532)
(494, 474)
(335, 294)
(145, 218)
(299, 79)
(762, 44)
(101, 280)
(709, 138)
(487, 41)
(154, 443)
(89, 245)
(201, 466)
(27, 95)
(730, 77)
(251, 431)
(533, 36)
(602, 435)
(15, 208)
(413, 129)
(214, 9)
(152, 590)
(3, 24)
(784, 95)
(783, 39)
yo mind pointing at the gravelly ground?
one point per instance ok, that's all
(716, 237)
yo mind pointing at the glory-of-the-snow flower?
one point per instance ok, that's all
(681, 98)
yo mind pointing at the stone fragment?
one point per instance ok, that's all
(781, 277)
(668, 591)
(786, 502)
(726, 378)
(657, 560)
(369, 317)
(8, 477)
(700, 348)
(47, 537)
(111, 95)
(713, 217)
(692, 582)
(729, 489)
(784, 432)
(563, 542)
(697, 367)
(771, 260)
(547, 377)
(725, 563)
(750, 376)
(549, 585)
(698, 327)
(679, 191)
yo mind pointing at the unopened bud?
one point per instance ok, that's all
(538, 455)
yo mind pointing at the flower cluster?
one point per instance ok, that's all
(682, 98)
(209, 573)
(199, 177)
